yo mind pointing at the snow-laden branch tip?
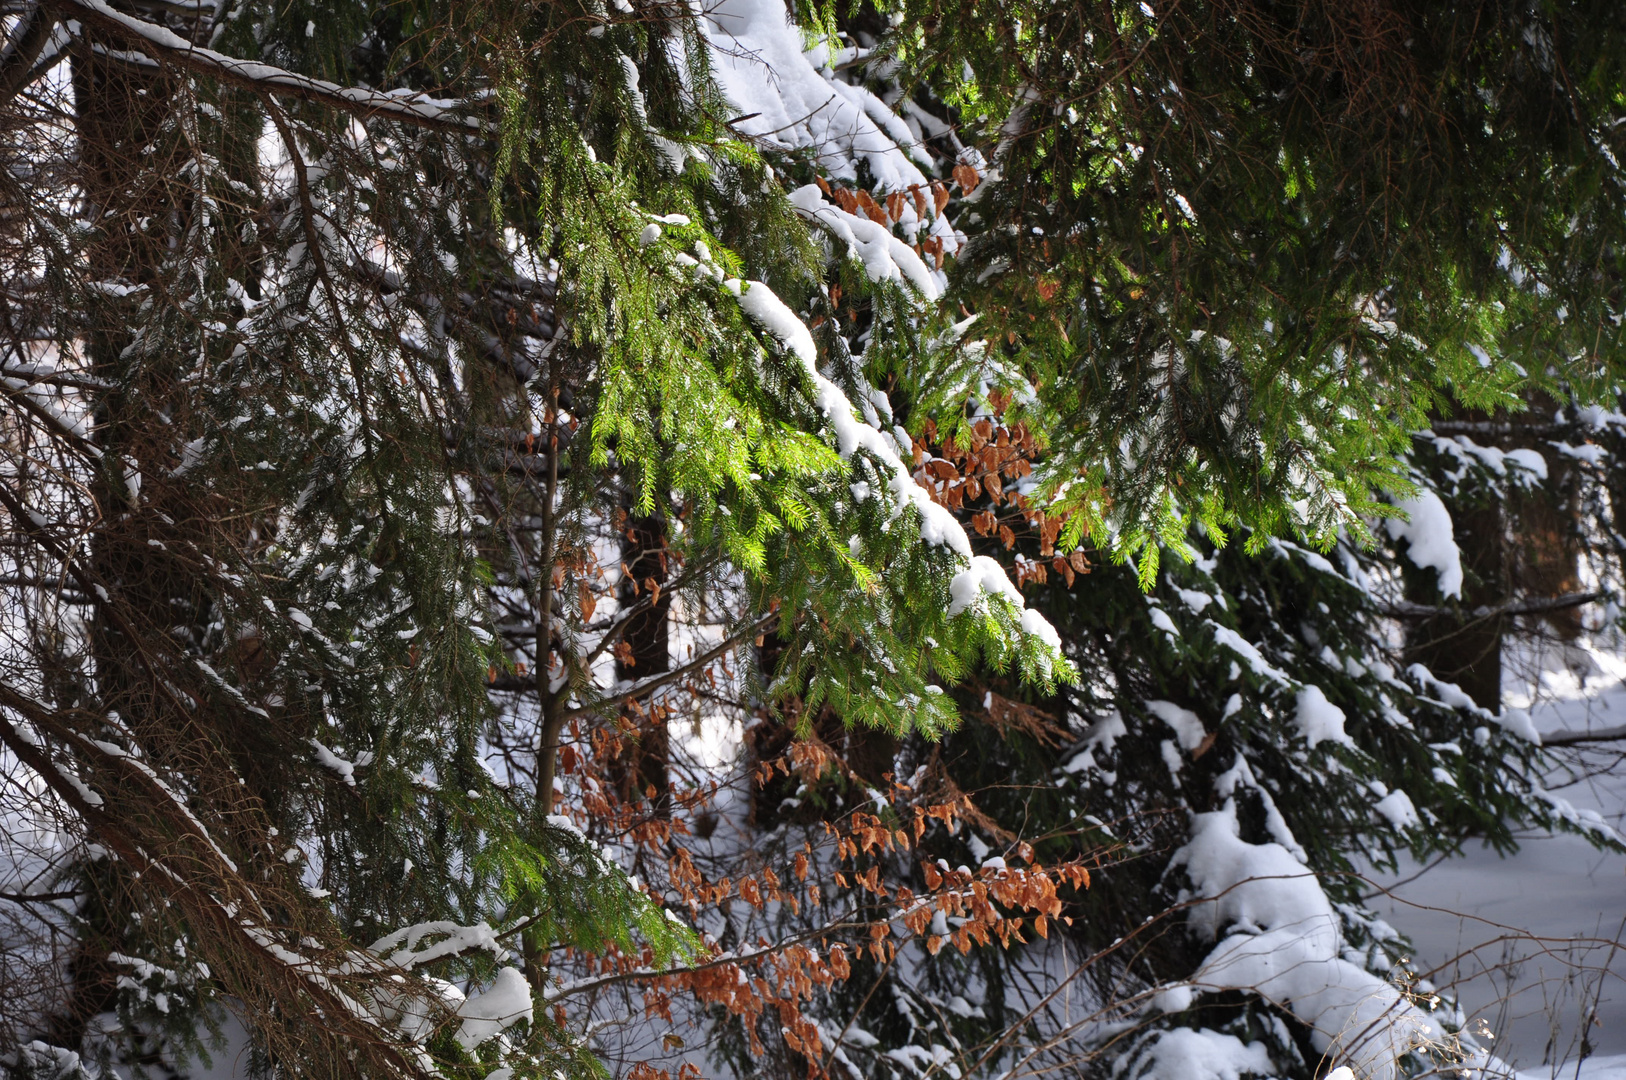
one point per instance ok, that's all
(346, 770)
(401, 947)
(885, 257)
(979, 577)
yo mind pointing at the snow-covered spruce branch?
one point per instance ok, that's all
(978, 577)
(49, 722)
(884, 256)
(29, 376)
(376, 972)
(166, 46)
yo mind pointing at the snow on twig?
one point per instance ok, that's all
(166, 45)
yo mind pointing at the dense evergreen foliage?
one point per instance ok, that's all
(1250, 246)
(414, 412)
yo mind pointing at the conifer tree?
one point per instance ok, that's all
(331, 321)
(413, 408)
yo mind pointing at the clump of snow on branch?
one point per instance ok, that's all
(1186, 725)
(401, 947)
(1285, 945)
(346, 770)
(1395, 807)
(1528, 467)
(1429, 539)
(759, 62)
(486, 1014)
(1319, 719)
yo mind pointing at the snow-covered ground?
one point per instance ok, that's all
(1596, 1068)
(1529, 942)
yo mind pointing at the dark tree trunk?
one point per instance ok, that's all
(1462, 648)
(146, 635)
(121, 110)
(1525, 548)
(646, 652)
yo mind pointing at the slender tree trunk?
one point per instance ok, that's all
(646, 652)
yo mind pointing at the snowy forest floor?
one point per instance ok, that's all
(1498, 932)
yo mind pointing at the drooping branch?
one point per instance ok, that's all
(213, 892)
(27, 42)
(41, 898)
(168, 47)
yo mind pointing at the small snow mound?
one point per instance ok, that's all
(494, 1010)
(1186, 725)
(1036, 625)
(1518, 722)
(1200, 1054)
(1173, 999)
(1319, 719)
(1397, 809)
(1430, 541)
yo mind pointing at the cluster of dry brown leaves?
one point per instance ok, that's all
(888, 209)
(860, 887)
(993, 457)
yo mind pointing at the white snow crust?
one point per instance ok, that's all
(761, 65)
(1200, 1054)
(1429, 539)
